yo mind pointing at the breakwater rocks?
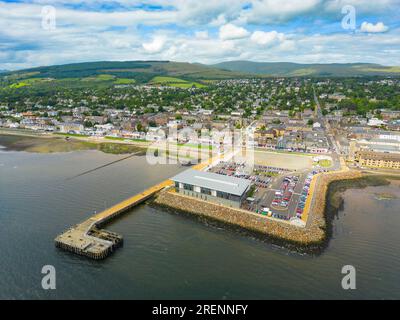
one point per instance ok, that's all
(311, 239)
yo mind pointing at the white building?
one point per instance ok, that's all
(375, 122)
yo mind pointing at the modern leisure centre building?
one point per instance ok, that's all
(225, 190)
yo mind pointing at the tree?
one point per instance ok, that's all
(88, 124)
(276, 121)
(139, 127)
(310, 122)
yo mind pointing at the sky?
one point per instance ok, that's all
(39, 32)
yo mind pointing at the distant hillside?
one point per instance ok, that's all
(175, 74)
(288, 69)
(140, 71)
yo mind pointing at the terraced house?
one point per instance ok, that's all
(378, 159)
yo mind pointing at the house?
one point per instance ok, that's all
(375, 122)
(70, 127)
(378, 159)
(265, 137)
(316, 125)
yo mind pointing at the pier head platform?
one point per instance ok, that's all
(88, 239)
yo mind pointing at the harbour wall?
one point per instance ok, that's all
(310, 239)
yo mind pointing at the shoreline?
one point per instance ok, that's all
(47, 144)
(312, 239)
(56, 142)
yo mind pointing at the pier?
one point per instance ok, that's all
(88, 239)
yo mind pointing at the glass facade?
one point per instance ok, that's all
(205, 191)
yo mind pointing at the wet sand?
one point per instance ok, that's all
(53, 144)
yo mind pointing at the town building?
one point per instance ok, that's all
(375, 122)
(71, 127)
(225, 190)
(378, 159)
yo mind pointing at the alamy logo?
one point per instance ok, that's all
(349, 280)
(349, 20)
(48, 18)
(49, 280)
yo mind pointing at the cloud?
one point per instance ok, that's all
(201, 35)
(373, 28)
(267, 38)
(264, 11)
(362, 6)
(195, 12)
(196, 31)
(155, 46)
(232, 32)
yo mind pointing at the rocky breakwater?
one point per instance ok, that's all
(310, 239)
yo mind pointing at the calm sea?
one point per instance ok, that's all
(169, 256)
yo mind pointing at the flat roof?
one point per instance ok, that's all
(380, 156)
(213, 181)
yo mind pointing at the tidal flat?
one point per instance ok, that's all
(52, 144)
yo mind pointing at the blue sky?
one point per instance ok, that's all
(304, 31)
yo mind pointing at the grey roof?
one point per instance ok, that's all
(383, 148)
(213, 181)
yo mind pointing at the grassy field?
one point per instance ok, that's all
(70, 135)
(383, 69)
(100, 77)
(124, 81)
(167, 80)
(119, 148)
(187, 85)
(175, 82)
(126, 139)
(27, 82)
(325, 163)
(302, 72)
(18, 85)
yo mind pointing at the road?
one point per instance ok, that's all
(331, 139)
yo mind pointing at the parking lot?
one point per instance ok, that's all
(261, 176)
(276, 192)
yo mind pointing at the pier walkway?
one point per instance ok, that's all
(87, 239)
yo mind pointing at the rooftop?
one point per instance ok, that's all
(214, 181)
(380, 156)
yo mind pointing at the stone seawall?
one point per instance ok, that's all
(310, 239)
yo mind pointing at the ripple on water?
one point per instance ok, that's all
(172, 256)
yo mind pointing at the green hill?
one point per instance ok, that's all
(288, 69)
(104, 74)
(141, 71)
